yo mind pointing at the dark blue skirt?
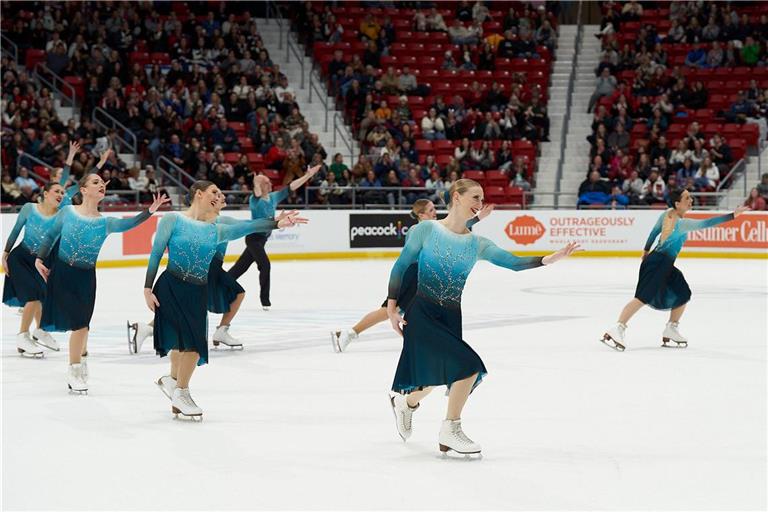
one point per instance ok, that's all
(24, 284)
(434, 354)
(408, 287)
(660, 284)
(222, 288)
(181, 320)
(70, 296)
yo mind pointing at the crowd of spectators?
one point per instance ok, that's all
(379, 99)
(645, 85)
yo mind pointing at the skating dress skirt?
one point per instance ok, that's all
(660, 284)
(407, 289)
(181, 320)
(70, 297)
(434, 353)
(24, 283)
(222, 287)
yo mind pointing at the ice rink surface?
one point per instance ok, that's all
(565, 422)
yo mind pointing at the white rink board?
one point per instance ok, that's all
(607, 233)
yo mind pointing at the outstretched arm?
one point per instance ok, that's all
(493, 253)
(115, 225)
(232, 231)
(298, 182)
(74, 149)
(688, 225)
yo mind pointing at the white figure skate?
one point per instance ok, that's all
(137, 333)
(76, 380)
(341, 339)
(26, 347)
(671, 334)
(182, 403)
(403, 415)
(45, 339)
(614, 337)
(222, 336)
(453, 438)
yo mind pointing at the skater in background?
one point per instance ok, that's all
(263, 203)
(71, 280)
(179, 298)
(423, 209)
(434, 353)
(660, 284)
(225, 295)
(24, 286)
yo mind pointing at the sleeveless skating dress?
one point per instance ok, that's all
(71, 288)
(434, 352)
(181, 320)
(660, 284)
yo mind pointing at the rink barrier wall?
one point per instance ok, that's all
(380, 234)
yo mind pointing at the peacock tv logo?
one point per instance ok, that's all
(371, 230)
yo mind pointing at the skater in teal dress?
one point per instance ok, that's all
(434, 352)
(71, 279)
(179, 298)
(660, 284)
(23, 285)
(423, 209)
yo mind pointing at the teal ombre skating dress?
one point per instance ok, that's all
(71, 289)
(660, 284)
(181, 320)
(24, 283)
(434, 352)
(222, 287)
(410, 279)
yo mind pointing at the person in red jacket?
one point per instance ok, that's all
(276, 154)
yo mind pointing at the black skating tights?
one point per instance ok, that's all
(254, 252)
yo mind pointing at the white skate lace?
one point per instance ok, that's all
(187, 398)
(407, 417)
(460, 435)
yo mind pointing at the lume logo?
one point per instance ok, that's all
(525, 230)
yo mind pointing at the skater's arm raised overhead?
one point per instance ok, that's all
(51, 236)
(417, 235)
(655, 232)
(162, 237)
(278, 197)
(491, 252)
(21, 219)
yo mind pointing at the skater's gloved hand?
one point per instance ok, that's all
(159, 200)
(5, 264)
(741, 209)
(394, 316)
(562, 253)
(42, 269)
(150, 299)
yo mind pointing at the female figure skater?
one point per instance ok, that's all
(423, 209)
(180, 296)
(71, 280)
(263, 203)
(434, 353)
(24, 286)
(660, 284)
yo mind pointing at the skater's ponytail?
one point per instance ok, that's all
(419, 207)
(461, 186)
(198, 186)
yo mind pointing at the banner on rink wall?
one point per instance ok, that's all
(378, 229)
(342, 234)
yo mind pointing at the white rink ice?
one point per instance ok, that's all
(565, 422)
